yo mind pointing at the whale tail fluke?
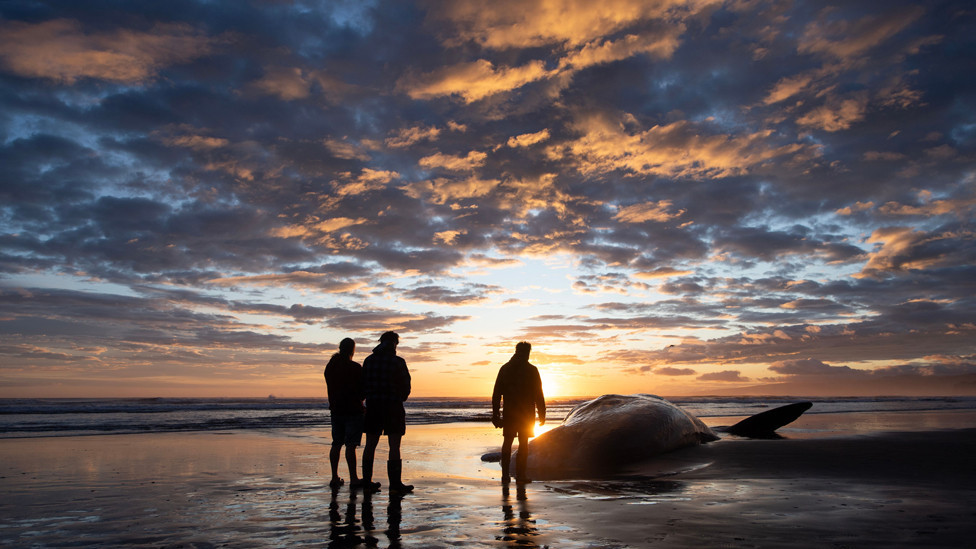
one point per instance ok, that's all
(764, 425)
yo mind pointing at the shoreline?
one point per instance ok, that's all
(269, 489)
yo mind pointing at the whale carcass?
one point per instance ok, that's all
(612, 430)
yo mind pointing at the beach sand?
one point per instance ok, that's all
(857, 480)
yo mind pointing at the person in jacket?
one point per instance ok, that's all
(344, 380)
(387, 384)
(515, 401)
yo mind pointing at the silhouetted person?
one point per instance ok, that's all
(519, 387)
(344, 379)
(387, 383)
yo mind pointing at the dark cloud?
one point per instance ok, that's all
(669, 371)
(810, 367)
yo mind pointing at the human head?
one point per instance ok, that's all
(390, 338)
(522, 349)
(347, 347)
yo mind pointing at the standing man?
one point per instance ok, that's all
(520, 386)
(344, 379)
(387, 387)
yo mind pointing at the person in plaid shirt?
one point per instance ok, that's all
(387, 385)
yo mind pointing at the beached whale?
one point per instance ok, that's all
(605, 433)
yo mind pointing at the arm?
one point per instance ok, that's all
(496, 395)
(540, 399)
(404, 383)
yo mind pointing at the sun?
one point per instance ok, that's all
(550, 387)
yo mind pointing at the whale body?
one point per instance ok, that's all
(613, 430)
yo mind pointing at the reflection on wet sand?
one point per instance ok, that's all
(517, 530)
(346, 531)
(393, 516)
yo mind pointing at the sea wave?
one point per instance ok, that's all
(64, 417)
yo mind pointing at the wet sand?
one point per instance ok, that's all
(831, 483)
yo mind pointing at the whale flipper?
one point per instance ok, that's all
(764, 425)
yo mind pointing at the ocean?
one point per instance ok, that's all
(29, 418)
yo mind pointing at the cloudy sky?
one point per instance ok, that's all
(202, 198)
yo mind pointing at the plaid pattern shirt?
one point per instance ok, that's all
(385, 376)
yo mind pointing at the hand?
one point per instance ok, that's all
(496, 420)
(542, 421)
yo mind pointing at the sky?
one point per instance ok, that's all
(201, 198)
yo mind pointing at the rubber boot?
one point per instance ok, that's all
(368, 485)
(394, 468)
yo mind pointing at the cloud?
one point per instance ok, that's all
(669, 371)
(724, 376)
(469, 294)
(755, 183)
(528, 139)
(64, 51)
(904, 249)
(368, 179)
(472, 81)
(468, 162)
(513, 24)
(810, 367)
(831, 34)
(679, 149)
(648, 211)
(840, 114)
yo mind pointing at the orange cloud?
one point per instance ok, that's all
(648, 211)
(679, 149)
(62, 50)
(838, 114)
(410, 136)
(904, 249)
(528, 139)
(506, 24)
(472, 81)
(197, 142)
(854, 208)
(367, 180)
(469, 162)
(442, 190)
(788, 87)
(848, 40)
(292, 83)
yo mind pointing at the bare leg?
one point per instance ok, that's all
(334, 462)
(369, 453)
(394, 441)
(351, 463)
(506, 457)
(521, 460)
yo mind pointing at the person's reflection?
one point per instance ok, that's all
(393, 517)
(518, 530)
(345, 531)
(369, 538)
